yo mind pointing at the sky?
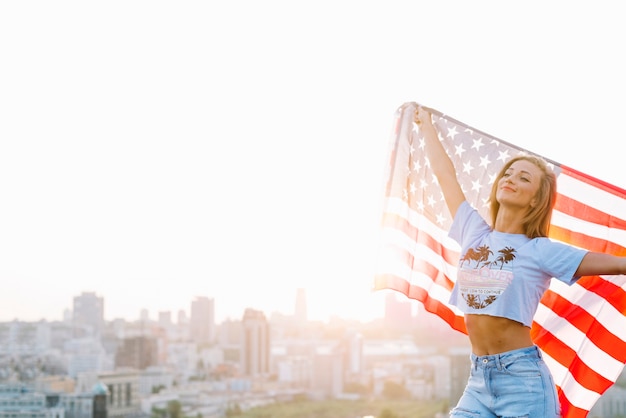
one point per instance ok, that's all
(156, 151)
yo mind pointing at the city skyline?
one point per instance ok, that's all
(299, 309)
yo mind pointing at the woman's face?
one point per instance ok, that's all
(519, 184)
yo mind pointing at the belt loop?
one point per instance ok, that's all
(498, 362)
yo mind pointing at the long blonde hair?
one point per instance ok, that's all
(537, 220)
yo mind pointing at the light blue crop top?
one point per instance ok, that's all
(506, 275)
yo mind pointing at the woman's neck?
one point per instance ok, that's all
(509, 221)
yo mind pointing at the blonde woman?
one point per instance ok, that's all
(505, 268)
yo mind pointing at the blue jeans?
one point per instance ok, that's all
(516, 384)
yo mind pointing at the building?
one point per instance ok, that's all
(327, 377)
(300, 314)
(88, 315)
(122, 391)
(398, 312)
(459, 371)
(255, 347)
(17, 401)
(202, 322)
(137, 352)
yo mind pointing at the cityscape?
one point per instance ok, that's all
(187, 365)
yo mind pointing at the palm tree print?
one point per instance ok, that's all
(506, 254)
(481, 257)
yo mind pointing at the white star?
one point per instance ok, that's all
(423, 183)
(440, 219)
(431, 201)
(504, 156)
(420, 206)
(467, 167)
(484, 161)
(405, 194)
(477, 144)
(413, 188)
(422, 143)
(459, 150)
(411, 150)
(476, 186)
(492, 177)
(416, 165)
(452, 132)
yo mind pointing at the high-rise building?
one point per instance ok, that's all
(300, 314)
(255, 347)
(88, 315)
(398, 313)
(138, 352)
(202, 323)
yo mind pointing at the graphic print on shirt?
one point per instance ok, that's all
(483, 275)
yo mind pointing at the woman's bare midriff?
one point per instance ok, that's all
(494, 335)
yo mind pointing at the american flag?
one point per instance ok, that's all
(581, 329)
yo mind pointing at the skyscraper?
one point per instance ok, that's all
(88, 314)
(255, 347)
(300, 314)
(202, 322)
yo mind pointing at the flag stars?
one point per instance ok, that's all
(458, 150)
(467, 167)
(476, 186)
(416, 165)
(413, 188)
(484, 161)
(503, 156)
(452, 132)
(477, 144)
(440, 219)
(431, 201)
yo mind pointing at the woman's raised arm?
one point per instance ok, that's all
(440, 162)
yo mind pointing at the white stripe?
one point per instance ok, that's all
(598, 307)
(577, 395)
(399, 207)
(400, 269)
(589, 353)
(591, 195)
(563, 220)
(419, 251)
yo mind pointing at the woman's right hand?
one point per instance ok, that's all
(422, 116)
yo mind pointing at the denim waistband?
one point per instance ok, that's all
(503, 359)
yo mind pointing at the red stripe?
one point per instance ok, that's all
(579, 210)
(568, 357)
(587, 324)
(567, 409)
(611, 292)
(389, 281)
(585, 241)
(597, 183)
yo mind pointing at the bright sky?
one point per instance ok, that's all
(154, 151)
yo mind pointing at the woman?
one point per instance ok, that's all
(505, 268)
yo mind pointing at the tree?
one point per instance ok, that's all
(174, 409)
(387, 413)
(393, 390)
